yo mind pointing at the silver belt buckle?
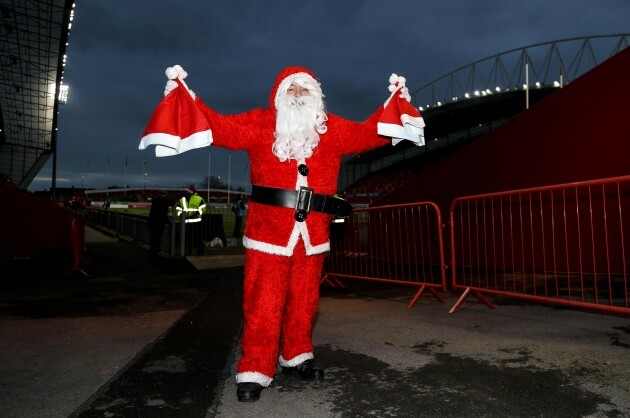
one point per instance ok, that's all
(303, 203)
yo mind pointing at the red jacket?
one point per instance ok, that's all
(273, 229)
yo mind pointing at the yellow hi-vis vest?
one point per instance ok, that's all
(194, 208)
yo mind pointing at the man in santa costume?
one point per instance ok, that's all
(295, 149)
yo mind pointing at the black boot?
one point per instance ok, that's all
(248, 391)
(305, 370)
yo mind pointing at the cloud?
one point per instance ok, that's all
(233, 50)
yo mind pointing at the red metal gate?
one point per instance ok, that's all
(562, 244)
(399, 244)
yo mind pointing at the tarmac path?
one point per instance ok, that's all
(143, 340)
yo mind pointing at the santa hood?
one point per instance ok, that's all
(285, 78)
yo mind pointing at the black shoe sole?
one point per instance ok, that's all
(248, 398)
(246, 395)
(319, 375)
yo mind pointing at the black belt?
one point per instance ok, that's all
(303, 201)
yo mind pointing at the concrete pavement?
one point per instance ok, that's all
(138, 340)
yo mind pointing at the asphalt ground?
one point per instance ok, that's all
(136, 339)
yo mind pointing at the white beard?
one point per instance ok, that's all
(296, 134)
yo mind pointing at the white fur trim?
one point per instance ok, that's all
(410, 130)
(284, 84)
(255, 377)
(318, 249)
(169, 145)
(310, 249)
(302, 181)
(299, 229)
(299, 359)
(271, 248)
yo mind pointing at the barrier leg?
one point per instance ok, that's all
(331, 281)
(338, 282)
(325, 280)
(419, 293)
(464, 295)
(417, 296)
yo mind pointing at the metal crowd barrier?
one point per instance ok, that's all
(176, 241)
(398, 244)
(133, 227)
(561, 244)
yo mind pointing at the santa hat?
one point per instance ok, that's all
(190, 189)
(288, 76)
(177, 124)
(400, 120)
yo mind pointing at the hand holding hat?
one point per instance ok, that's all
(176, 71)
(397, 82)
(177, 124)
(400, 120)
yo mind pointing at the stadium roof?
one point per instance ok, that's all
(33, 42)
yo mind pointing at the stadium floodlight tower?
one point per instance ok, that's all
(63, 94)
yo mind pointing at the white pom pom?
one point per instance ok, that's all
(181, 73)
(172, 73)
(401, 80)
(391, 88)
(393, 78)
(404, 94)
(170, 86)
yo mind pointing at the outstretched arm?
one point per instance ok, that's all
(228, 131)
(358, 137)
(392, 122)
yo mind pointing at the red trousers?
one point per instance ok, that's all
(280, 300)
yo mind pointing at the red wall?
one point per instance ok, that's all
(580, 132)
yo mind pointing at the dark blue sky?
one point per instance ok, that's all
(233, 49)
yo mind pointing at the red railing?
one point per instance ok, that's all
(76, 235)
(399, 244)
(561, 244)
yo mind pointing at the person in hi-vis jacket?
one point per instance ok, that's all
(193, 207)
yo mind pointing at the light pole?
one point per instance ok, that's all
(208, 182)
(144, 185)
(219, 186)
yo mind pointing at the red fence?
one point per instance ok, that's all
(399, 244)
(562, 244)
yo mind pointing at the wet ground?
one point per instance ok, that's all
(137, 339)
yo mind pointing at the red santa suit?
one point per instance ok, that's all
(284, 257)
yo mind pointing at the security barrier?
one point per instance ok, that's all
(561, 244)
(178, 239)
(131, 227)
(399, 244)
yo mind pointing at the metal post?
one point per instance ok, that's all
(526, 81)
(229, 175)
(182, 241)
(173, 231)
(208, 182)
